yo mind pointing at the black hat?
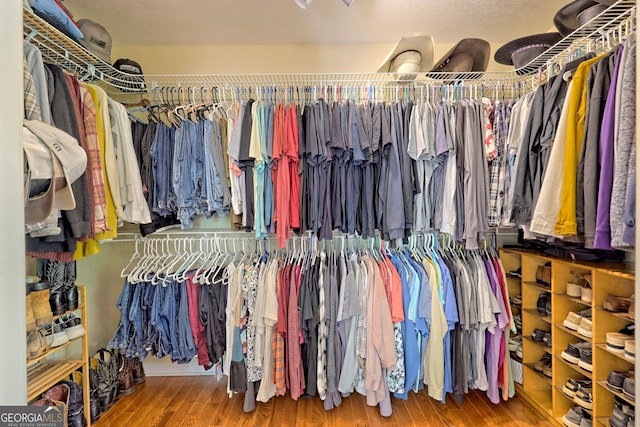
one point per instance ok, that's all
(520, 52)
(133, 81)
(577, 13)
(467, 55)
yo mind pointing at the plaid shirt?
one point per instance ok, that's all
(278, 376)
(502, 112)
(94, 164)
(31, 107)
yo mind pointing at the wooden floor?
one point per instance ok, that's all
(202, 401)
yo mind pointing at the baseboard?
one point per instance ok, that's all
(154, 367)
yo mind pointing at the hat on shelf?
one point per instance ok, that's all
(133, 80)
(466, 56)
(577, 13)
(96, 39)
(54, 156)
(412, 54)
(520, 52)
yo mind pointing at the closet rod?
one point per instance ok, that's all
(59, 49)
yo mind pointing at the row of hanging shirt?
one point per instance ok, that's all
(571, 154)
(109, 191)
(353, 167)
(312, 322)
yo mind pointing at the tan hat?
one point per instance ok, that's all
(96, 39)
(467, 55)
(412, 54)
(54, 155)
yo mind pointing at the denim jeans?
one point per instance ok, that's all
(120, 339)
(186, 343)
(162, 151)
(185, 173)
(160, 322)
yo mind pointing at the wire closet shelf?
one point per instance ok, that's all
(599, 34)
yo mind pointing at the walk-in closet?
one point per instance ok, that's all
(318, 212)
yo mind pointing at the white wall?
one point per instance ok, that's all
(268, 59)
(13, 383)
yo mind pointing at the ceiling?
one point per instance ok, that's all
(193, 22)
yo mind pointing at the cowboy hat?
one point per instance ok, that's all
(467, 55)
(413, 53)
(520, 52)
(577, 13)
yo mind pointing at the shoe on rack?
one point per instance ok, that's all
(516, 273)
(629, 387)
(517, 320)
(69, 286)
(574, 290)
(585, 360)
(585, 327)
(615, 380)
(547, 372)
(55, 335)
(572, 353)
(543, 275)
(547, 339)
(572, 385)
(630, 350)
(584, 398)
(543, 303)
(538, 335)
(616, 341)
(40, 302)
(515, 300)
(616, 304)
(629, 330)
(572, 321)
(519, 352)
(52, 271)
(587, 291)
(618, 418)
(574, 417)
(544, 361)
(58, 301)
(72, 325)
(37, 344)
(514, 342)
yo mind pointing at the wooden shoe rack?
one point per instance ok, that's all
(606, 278)
(58, 363)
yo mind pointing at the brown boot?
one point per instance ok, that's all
(125, 376)
(40, 303)
(138, 371)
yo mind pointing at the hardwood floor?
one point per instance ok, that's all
(202, 401)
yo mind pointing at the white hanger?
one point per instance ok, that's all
(135, 256)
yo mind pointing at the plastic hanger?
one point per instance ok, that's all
(135, 256)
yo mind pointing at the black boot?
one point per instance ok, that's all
(53, 272)
(70, 288)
